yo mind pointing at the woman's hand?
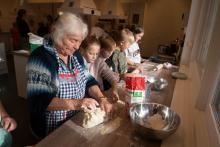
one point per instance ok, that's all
(9, 123)
(88, 104)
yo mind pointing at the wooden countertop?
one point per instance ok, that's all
(71, 134)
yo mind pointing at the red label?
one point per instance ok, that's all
(135, 83)
(71, 77)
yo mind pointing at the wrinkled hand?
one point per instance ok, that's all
(9, 123)
(89, 104)
(106, 106)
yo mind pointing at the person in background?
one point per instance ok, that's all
(42, 29)
(23, 28)
(58, 85)
(117, 61)
(7, 124)
(32, 24)
(49, 22)
(15, 37)
(133, 54)
(95, 61)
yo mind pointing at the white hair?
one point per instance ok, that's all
(68, 24)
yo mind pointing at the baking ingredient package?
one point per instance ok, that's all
(135, 85)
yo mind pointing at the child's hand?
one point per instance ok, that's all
(114, 95)
(116, 75)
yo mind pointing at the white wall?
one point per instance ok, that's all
(161, 20)
(36, 12)
(162, 23)
(193, 98)
(7, 13)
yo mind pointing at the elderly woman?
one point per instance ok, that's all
(57, 83)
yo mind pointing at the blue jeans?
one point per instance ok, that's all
(5, 138)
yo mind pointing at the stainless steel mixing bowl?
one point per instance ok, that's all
(141, 114)
(157, 83)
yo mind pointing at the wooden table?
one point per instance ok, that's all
(71, 134)
(165, 96)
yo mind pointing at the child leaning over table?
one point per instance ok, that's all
(7, 124)
(95, 61)
(117, 61)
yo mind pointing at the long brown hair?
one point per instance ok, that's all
(90, 40)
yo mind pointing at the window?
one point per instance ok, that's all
(216, 105)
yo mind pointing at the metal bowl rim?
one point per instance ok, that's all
(169, 130)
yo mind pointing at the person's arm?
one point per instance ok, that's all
(114, 91)
(130, 62)
(127, 53)
(72, 104)
(64, 104)
(122, 63)
(8, 123)
(96, 93)
(3, 113)
(108, 74)
(41, 87)
(115, 63)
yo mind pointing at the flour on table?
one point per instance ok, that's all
(111, 126)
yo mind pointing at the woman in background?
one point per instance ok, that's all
(133, 54)
(23, 28)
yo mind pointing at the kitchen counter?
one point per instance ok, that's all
(20, 61)
(122, 134)
(25, 53)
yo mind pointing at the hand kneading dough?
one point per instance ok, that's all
(98, 116)
(94, 118)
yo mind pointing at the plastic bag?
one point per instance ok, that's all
(35, 41)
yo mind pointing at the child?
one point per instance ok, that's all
(133, 52)
(117, 61)
(90, 49)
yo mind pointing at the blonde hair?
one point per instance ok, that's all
(107, 43)
(123, 35)
(90, 40)
(68, 24)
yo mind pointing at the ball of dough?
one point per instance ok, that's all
(94, 118)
